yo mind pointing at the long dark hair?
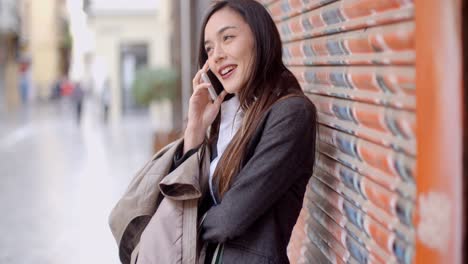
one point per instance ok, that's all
(269, 81)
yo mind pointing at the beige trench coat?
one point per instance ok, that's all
(162, 207)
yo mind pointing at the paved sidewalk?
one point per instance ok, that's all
(59, 181)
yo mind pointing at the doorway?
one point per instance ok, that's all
(133, 57)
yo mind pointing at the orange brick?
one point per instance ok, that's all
(372, 119)
(364, 81)
(359, 45)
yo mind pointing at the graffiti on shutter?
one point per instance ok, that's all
(355, 61)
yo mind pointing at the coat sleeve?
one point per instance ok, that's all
(284, 154)
(180, 158)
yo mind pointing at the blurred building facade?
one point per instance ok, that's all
(46, 42)
(9, 49)
(149, 33)
(127, 37)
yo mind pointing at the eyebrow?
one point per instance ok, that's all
(221, 31)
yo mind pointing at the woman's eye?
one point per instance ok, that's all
(208, 50)
(228, 37)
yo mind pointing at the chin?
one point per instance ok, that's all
(229, 90)
(232, 86)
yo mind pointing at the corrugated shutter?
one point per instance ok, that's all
(355, 60)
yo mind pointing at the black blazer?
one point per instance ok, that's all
(256, 216)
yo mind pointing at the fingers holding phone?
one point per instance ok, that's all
(211, 89)
(197, 79)
(204, 106)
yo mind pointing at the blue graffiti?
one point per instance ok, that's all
(356, 251)
(307, 49)
(306, 24)
(347, 146)
(404, 212)
(403, 170)
(343, 112)
(332, 16)
(310, 77)
(403, 252)
(353, 215)
(340, 79)
(335, 48)
(285, 7)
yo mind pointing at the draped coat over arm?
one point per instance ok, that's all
(156, 218)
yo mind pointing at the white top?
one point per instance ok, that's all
(231, 120)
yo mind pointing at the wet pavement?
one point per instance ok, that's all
(59, 181)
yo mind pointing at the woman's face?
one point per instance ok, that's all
(229, 44)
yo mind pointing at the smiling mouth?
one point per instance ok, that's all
(227, 71)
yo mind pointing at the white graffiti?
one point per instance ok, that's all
(434, 224)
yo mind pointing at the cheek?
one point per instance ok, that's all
(248, 55)
(211, 65)
(248, 61)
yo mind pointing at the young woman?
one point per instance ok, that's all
(261, 136)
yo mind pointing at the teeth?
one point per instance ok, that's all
(227, 69)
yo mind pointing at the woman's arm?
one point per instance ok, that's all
(284, 153)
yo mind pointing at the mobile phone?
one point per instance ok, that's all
(211, 90)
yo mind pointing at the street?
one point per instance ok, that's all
(59, 181)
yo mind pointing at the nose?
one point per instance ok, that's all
(218, 54)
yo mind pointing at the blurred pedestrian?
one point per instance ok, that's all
(66, 87)
(254, 144)
(25, 81)
(78, 97)
(56, 89)
(105, 99)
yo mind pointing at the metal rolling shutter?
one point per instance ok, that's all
(355, 60)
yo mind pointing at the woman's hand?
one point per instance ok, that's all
(202, 111)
